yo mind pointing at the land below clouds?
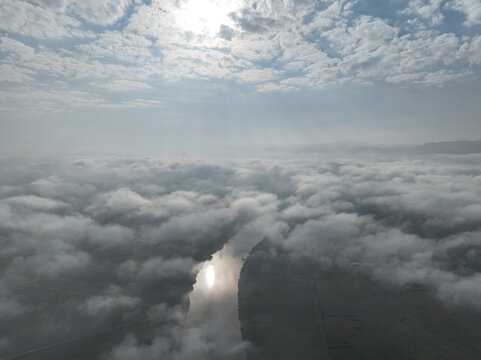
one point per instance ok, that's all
(356, 150)
(98, 256)
(292, 309)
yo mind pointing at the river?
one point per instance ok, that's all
(213, 313)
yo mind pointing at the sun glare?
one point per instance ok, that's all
(210, 276)
(205, 17)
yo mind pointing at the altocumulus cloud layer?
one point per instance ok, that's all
(97, 257)
(58, 54)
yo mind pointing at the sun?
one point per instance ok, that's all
(205, 17)
(210, 276)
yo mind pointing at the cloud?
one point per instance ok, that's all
(105, 12)
(123, 86)
(118, 46)
(26, 19)
(112, 247)
(101, 12)
(103, 305)
(33, 202)
(77, 248)
(10, 73)
(129, 46)
(429, 10)
(471, 9)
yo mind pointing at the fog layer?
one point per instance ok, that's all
(98, 256)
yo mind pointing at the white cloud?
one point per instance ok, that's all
(102, 305)
(23, 18)
(471, 50)
(258, 75)
(101, 12)
(255, 48)
(34, 202)
(274, 46)
(119, 241)
(430, 10)
(16, 74)
(117, 46)
(471, 8)
(60, 99)
(123, 86)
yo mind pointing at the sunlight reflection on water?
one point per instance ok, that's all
(213, 304)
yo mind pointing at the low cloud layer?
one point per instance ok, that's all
(99, 256)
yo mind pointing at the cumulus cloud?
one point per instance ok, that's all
(34, 202)
(429, 10)
(470, 8)
(27, 19)
(129, 45)
(105, 12)
(102, 305)
(400, 221)
(110, 249)
(277, 35)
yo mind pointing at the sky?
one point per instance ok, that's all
(106, 233)
(158, 77)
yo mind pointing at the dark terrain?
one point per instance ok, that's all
(294, 310)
